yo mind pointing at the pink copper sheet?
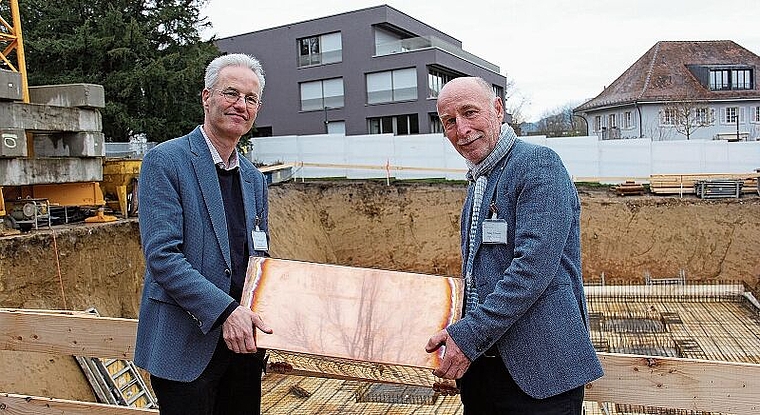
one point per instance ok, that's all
(352, 313)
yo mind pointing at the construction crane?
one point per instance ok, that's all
(12, 39)
(51, 140)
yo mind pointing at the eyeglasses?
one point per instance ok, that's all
(232, 96)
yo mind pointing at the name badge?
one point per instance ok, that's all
(495, 231)
(259, 240)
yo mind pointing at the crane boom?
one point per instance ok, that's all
(12, 40)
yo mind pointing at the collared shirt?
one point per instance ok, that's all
(233, 161)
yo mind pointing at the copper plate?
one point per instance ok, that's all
(352, 313)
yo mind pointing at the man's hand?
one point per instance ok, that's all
(454, 363)
(238, 330)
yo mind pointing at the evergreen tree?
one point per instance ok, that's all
(148, 55)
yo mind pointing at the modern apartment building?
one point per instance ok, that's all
(681, 90)
(369, 71)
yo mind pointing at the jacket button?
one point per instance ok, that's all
(227, 272)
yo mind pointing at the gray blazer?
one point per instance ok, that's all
(531, 289)
(187, 254)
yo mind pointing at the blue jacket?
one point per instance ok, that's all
(187, 254)
(532, 304)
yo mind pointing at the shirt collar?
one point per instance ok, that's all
(233, 161)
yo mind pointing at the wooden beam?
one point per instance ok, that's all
(696, 385)
(23, 404)
(76, 334)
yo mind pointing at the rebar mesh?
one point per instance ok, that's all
(705, 321)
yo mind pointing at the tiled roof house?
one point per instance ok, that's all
(681, 90)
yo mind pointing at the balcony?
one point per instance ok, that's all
(430, 42)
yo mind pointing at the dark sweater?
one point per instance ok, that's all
(232, 196)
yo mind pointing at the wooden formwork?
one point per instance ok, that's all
(650, 381)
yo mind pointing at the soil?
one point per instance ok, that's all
(405, 226)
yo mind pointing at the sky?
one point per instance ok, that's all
(555, 52)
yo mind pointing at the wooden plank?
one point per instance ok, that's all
(275, 167)
(332, 368)
(23, 404)
(361, 314)
(629, 379)
(678, 383)
(77, 334)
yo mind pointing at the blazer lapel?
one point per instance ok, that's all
(205, 172)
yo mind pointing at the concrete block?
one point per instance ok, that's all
(86, 144)
(80, 144)
(69, 95)
(12, 143)
(47, 118)
(26, 171)
(10, 85)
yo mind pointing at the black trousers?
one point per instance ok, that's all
(230, 385)
(488, 389)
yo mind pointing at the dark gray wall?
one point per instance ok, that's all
(276, 48)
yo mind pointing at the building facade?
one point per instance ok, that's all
(369, 71)
(685, 90)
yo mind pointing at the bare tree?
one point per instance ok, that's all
(657, 132)
(687, 116)
(560, 122)
(515, 103)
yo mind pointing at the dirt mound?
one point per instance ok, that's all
(406, 226)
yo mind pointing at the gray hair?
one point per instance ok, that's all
(233, 59)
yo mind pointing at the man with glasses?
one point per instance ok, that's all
(203, 212)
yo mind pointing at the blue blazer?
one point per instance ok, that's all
(187, 254)
(531, 289)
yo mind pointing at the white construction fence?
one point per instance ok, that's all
(432, 156)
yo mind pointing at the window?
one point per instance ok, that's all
(499, 91)
(436, 80)
(756, 114)
(703, 116)
(597, 123)
(627, 120)
(398, 125)
(668, 117)
(728, 79)
(392, 86)
(732, 115)
(719, 80)
(435, 124)
(741, 79)
(612, 121)
(336, 127)
(322, 94)
(317, 50)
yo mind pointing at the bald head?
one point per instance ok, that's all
(470, 82)
(471, 115)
